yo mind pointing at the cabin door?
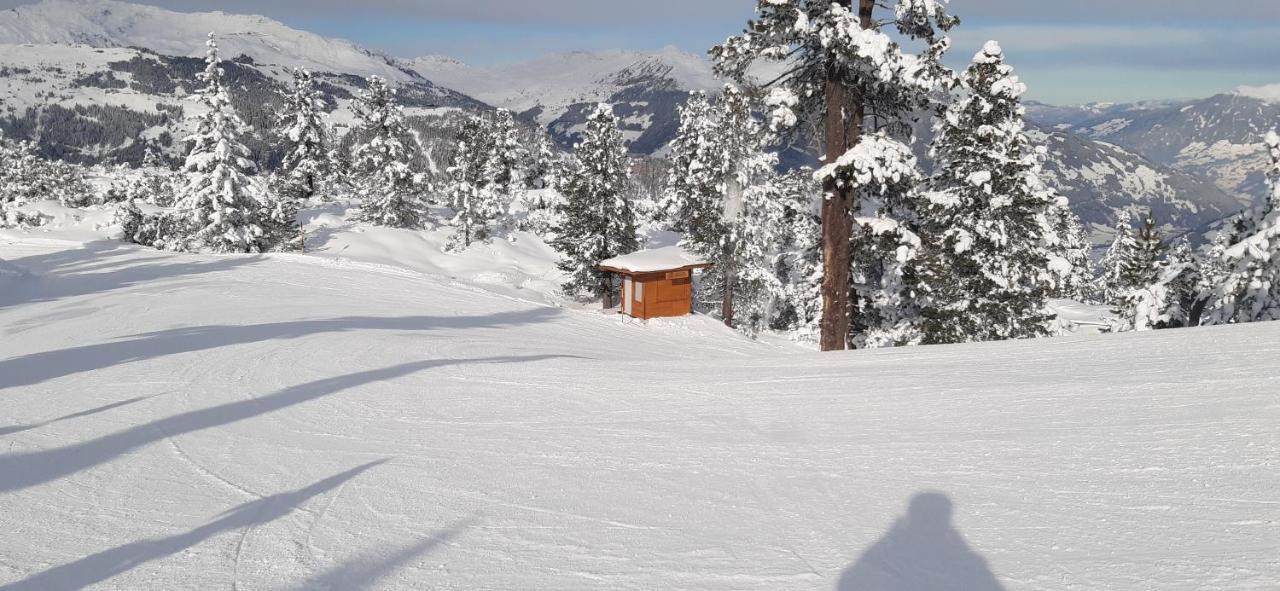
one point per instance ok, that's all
(626, 295)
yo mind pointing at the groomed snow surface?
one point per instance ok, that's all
(294, 422)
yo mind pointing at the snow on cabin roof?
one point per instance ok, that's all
(667, 258)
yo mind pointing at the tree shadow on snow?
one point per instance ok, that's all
(366, 571)
(922, 551)
(46, 365)
(109, 563)
(76, 415)
(103, 266)
(23, 470)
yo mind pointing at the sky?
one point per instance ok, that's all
(1068, 51)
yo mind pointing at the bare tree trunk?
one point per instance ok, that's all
(843, 130)
(606, 285)
(726, 306)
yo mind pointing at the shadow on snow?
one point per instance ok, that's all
(23, 470)
(922, 551)
(365, 571)
(46, 365)
(109, 563)
(76, 415)
(97, 268)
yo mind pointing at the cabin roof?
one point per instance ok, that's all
(667, 258)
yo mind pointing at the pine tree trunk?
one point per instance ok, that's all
(606, 288)
(726, 306)
(843, 130)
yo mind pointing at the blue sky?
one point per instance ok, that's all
(1068, 51)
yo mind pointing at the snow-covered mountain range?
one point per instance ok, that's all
(110, 23)
(93, 79)
(558, 91)
(1218, 138)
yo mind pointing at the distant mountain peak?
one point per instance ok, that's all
(112, 23)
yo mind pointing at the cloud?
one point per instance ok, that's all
(1131, 12)
(1181, 47)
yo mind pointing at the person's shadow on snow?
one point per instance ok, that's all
(921, 552)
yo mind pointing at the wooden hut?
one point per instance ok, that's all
(656, 283)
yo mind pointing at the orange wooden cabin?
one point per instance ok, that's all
(656, 283)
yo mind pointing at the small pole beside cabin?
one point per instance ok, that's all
(656, 283)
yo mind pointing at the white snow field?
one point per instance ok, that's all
(284, 422)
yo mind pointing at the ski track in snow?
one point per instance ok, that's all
(287, 422)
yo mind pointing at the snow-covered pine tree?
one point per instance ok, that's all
(8, 165)
(1145, 292)
(988, 224)
(543, 162)
(840, 65)
(596, 220)
(798, 265)
(469, 192)
(1249, 286)
(887, 251)
(1172, 300)
(154, 159)
(157, 184)
(693, 201)
(1074, 274)
(221, 206)
(306, 164)
(722, 194)
(386, 187)
(26, 177)
(1113, 283)
(485, 176)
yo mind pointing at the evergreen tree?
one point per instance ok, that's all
(887, 252)
(543, 163)
(842, 66)
(1142, 282)
(486, 175)
(1116, 264)
(26, 177)
(387, 188)
(798, 265)
(989, 222)
(1172, 300)
(154, 159)
(887, 282)
(157, 184)
(694, 197)
(1249, 287)
(722, 194)
(222, 206)
(306, 163)
(1070, 246)
(596, 220)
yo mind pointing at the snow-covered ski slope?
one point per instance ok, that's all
(282, 422)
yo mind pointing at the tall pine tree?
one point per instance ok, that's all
(222, 208)
(841, 65)
(1070, 245)
(485, 175)
(597, 221)
(1115, 279)
(990, 271)
(306, 163)
(721, 193)
(388, 193)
